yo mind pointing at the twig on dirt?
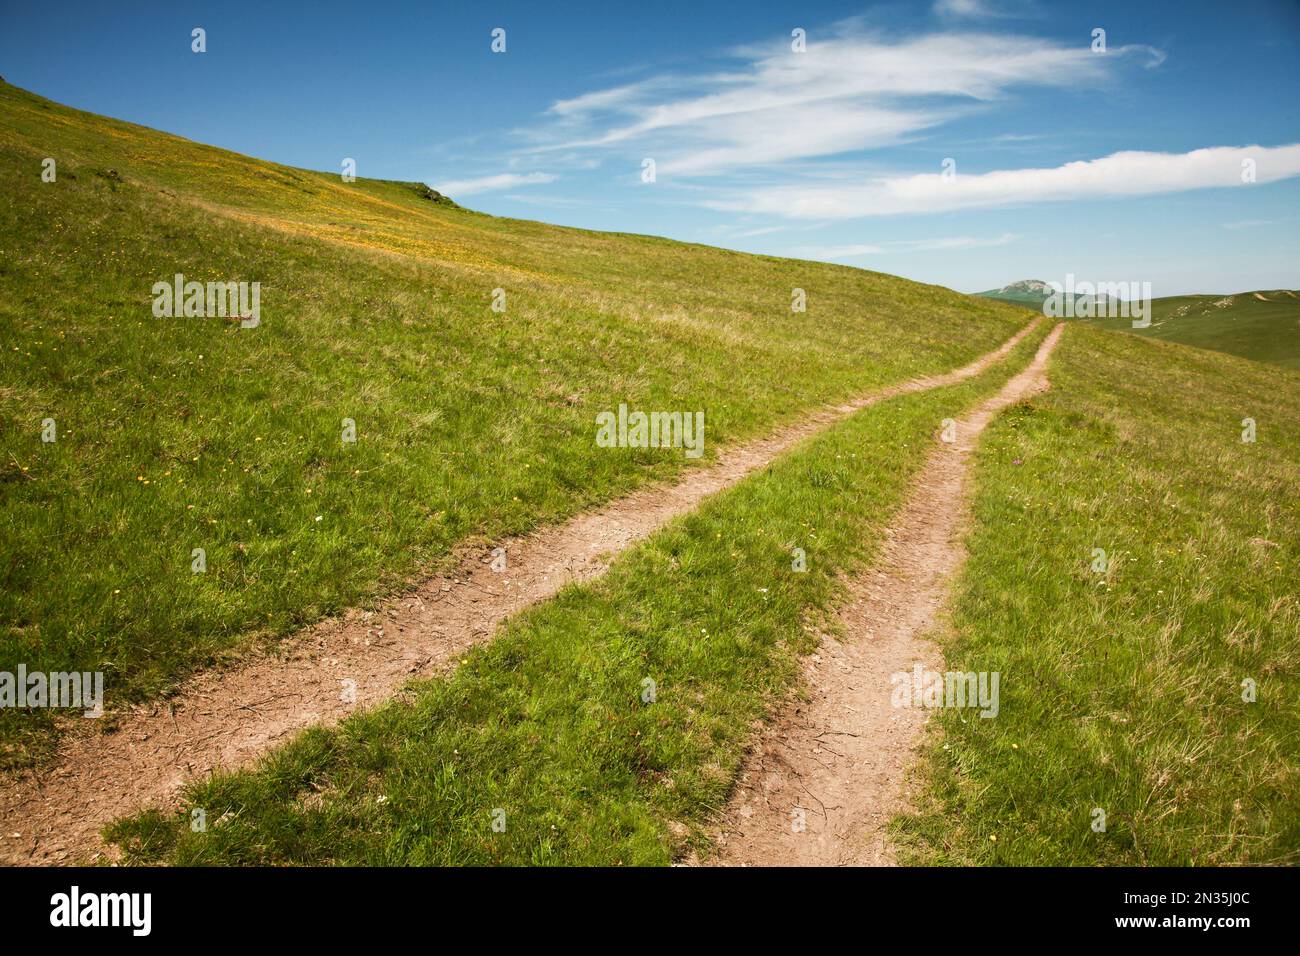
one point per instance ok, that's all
(267, 700)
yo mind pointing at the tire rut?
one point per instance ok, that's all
(830, 769)
(228, 717)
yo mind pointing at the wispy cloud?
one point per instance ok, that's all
(963, 9)
(1120, 174)
(758, 231)
(777, 133)
(485, 184)
(944, 243)
(559, 202)
(1248, 223)
(850, 91)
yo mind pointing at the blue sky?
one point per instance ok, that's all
(1116, 165)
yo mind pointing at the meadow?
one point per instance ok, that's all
(177, 434)
(1262, 325)
(425, 378)
(547, 730)
(1133, 588)
(1132, 574)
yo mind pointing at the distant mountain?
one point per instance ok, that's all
(1030, 292)
(1034, 292)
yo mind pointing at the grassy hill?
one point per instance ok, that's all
(546, 721)
(1261, 325)
(177, 434)
(1132, 574)
(1030, 293)
(1123, 688)
(1033, 293)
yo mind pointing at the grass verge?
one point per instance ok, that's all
(1122, 689)
(549, 723)
(177, 434)
(1264, 326)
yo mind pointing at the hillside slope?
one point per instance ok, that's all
(1130, 580)
(173, 436)
(1261, 325)
(1132, 576)
(1027, 292)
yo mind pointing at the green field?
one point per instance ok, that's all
(1262, 325)
(180, 433)
(1122, 688)
(547, 723)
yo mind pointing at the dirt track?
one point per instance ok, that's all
(228, 717)
(836, 763)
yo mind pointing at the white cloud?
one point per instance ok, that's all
(1247, 223)
(943, 243)
(484, 184)
(1120, 174)
(962, 8)
(850, 91)
(840, 252)
(759, 231)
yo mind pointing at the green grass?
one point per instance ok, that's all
(177, 434)
(1265, 329)
(547, 721)
(1262, 325)
(1123, 690)
(1120, 691)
